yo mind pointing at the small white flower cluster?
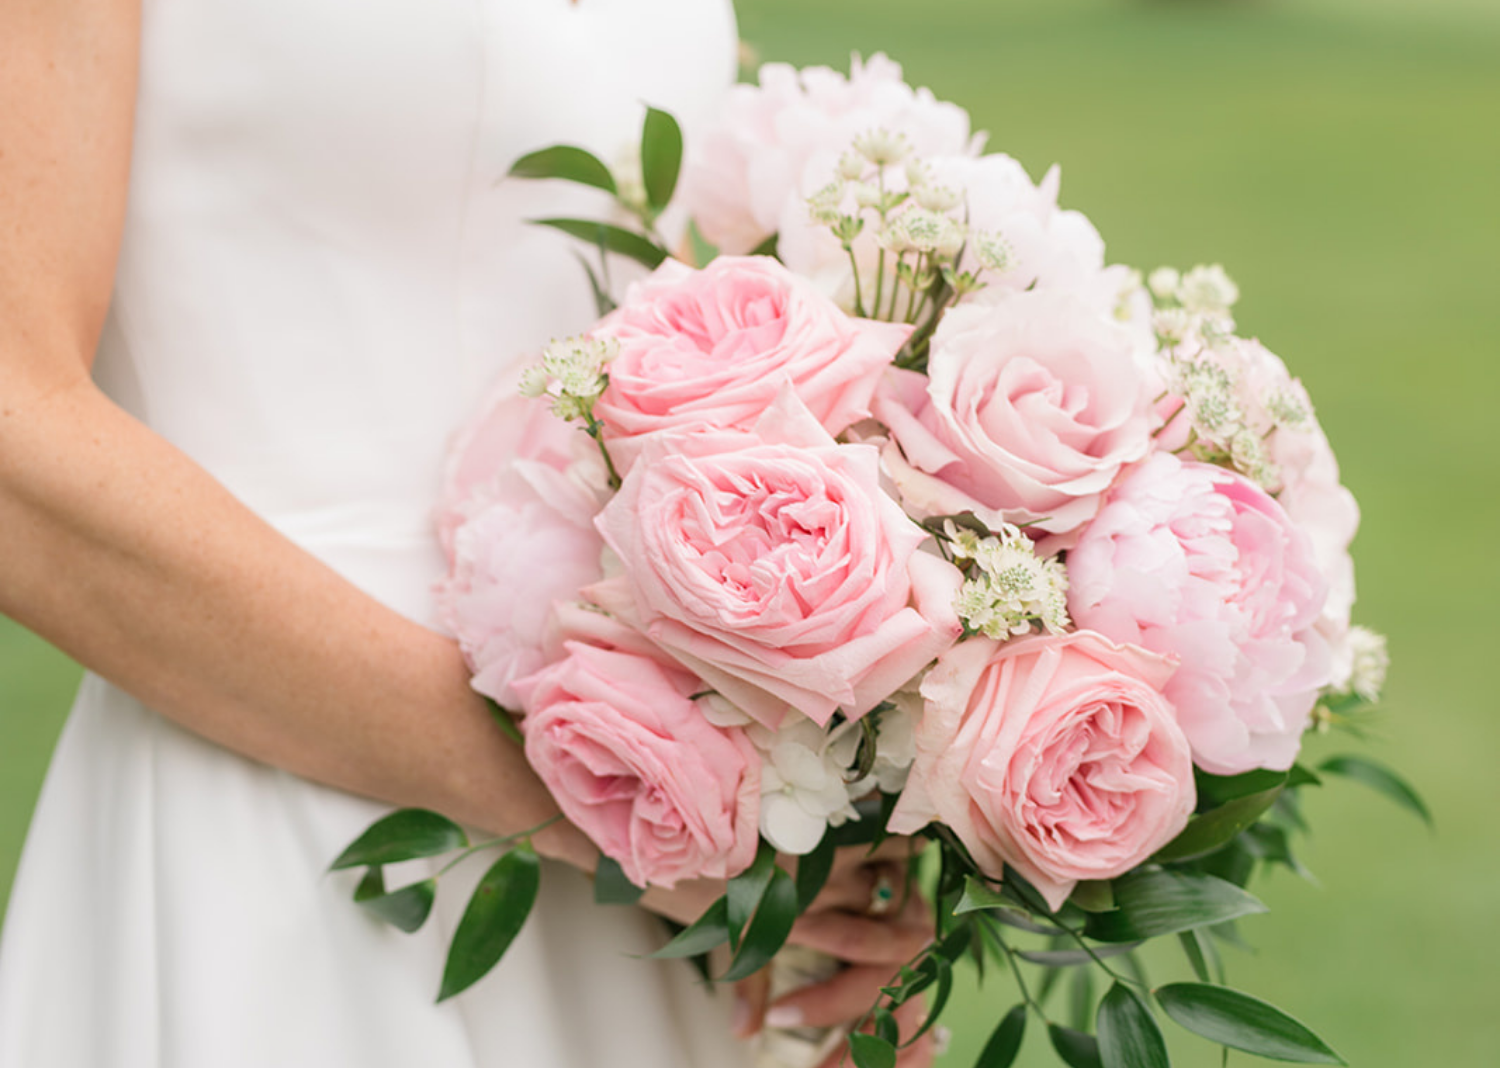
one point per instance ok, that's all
(1010, 589)
(881, 186)
(1230, 418)
(572, 373)
(1370, 660)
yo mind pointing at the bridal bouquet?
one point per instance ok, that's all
(887, 508)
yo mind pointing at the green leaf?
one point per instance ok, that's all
(1380, 778)
(661, 157)
(1300, 776)
(871, 1051)
(1005, 1041)
(1234, 863)
(813, 870)
(406, 909)
(938, 1002)
(1093, 896)
(704, 250)
(1206, 833)
(768, 247)
(603, 305)
(886, 1026)
(1203, 955)
(1128, 1034)
(707, 932)
(494, 916)
(403, 835)
(1243, 1022)
(504, 718)
(567, 162)
(768, 928)
(610, 238)
(746, 890)
(1081, 998)
(611, 886)
(1215, 790)
(1067, 958)
(978, 896)
(1165, 902)
(1077, 1049)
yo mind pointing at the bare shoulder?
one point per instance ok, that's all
(67, 99)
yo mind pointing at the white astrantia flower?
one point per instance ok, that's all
(938, 198)
(824, 206)
(882, 147)
(803, 790)
(993, 251)
(577, 365)
(1173, 325)
(1371, 661)
(1207, 289)
(1164, 283)
(851, 166)
(1011, 589)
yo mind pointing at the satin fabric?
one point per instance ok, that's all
(322, 270)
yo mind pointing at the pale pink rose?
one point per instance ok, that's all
(748, 174)
(1055, 754)
(1198, 563)
(772, 565)
(525, 543)
(715, 346)
(633, 763)
(1029, 410)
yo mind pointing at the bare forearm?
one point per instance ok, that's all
(135, 561)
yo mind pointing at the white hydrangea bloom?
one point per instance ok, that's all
(895, 743)
(803, 789)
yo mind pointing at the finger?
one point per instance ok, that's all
(750, 998)
(922, 1052)
(855, 890)
(861, 939)
(847, 996)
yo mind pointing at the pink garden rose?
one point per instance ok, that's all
(633, 763)
(1029, 410)
(1198, 563)
(747, 176)
(1055, 754)
(519, 547)
(773, 565)
(715, 347)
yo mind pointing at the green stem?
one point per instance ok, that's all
(859, 300)
(491, 842)
(595, 429)
(1015, 968)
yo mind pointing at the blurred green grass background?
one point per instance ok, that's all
(1342, 159)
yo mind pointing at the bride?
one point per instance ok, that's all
(257, 261)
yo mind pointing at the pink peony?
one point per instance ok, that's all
(1029, 411)
(509, 427)
(1198, 563)
(524, 544)
(715, 346)
(773, 565)
(1057, 755)
(633, 763)
(748, 175)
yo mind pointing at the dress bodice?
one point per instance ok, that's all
(321, 263)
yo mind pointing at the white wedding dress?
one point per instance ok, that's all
(321, 271)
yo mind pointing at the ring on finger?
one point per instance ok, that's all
(882, 894)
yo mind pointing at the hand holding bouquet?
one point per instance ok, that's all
(901, 513)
